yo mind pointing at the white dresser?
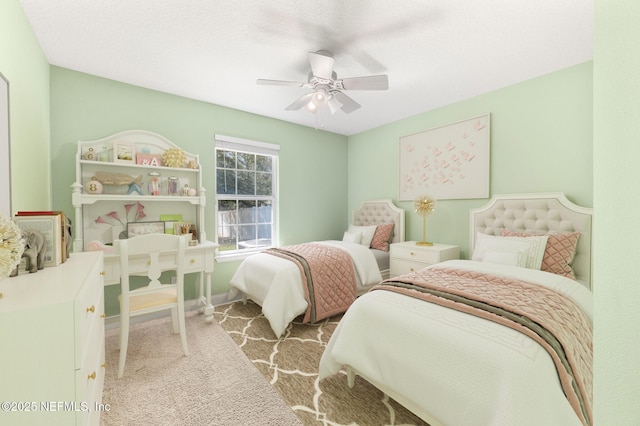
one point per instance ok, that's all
(408, 256)
(52, 344)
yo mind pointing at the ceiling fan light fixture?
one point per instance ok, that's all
(320, 97)
(311, 106)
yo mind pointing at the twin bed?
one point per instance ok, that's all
(450, 367)
(275, 282)
(503, 338)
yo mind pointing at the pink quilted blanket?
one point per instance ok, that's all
(328, 276)
(546, 316)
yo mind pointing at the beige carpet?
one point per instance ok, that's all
(290, 364)
(215, 385)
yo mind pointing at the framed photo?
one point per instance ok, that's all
(123, 153)
(135, 229)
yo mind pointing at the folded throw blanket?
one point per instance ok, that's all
(328, 276)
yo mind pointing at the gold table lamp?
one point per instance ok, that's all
(424, 206)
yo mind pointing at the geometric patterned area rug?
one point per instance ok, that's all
(290, 364)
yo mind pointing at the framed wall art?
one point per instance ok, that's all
(446, 162)
(5, 151)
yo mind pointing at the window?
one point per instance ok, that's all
(246, 196)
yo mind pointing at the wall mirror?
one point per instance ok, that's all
(5, 154)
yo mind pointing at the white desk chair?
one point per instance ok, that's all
(150, 255)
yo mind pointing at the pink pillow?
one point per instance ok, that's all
(558, 254)
(382, 237)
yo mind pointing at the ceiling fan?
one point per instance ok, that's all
(327, 88)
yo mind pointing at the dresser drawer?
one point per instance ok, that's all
(89, 308)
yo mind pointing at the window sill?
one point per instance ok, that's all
(233, 257)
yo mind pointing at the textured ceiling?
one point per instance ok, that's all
(435, 52)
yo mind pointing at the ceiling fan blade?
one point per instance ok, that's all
(300, 102)
(322, 64)
(348, 104)
(280, 83)
(372, 82)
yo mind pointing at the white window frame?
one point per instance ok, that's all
(253, 147)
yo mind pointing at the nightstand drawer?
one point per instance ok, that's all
(401, 266)
(409, 257)
(413, 254)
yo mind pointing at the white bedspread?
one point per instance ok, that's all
(452, 368)
(276, 285)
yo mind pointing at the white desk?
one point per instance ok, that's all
(199, 259)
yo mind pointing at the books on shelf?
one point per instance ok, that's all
(53, 225)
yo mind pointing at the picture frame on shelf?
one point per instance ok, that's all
(124, 152)
(135, 229)
(169, 221)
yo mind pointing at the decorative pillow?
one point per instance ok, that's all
(366, 231)
(382, 237)
(352, 237)
(514, 257)
(559, 252)
(534, 244)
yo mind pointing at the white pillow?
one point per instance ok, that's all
(366, 231)
(534, 245)
(352, 237)
(514, 257)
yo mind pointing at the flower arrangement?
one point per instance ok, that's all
(115, 218)
(424, 206)
(11, 246)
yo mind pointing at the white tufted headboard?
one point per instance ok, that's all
(375, 212)
(544, 212)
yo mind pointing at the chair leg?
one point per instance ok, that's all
(183, 329)
(175, 321)
(124, 342)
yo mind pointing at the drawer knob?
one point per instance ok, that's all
(102, 273)
(412, 254)
(411, 269)
(192, 261)
(103, 316)
(91, 309)
(92, 376)
(103, 365)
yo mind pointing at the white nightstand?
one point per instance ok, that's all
(408, 257)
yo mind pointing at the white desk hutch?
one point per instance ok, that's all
(120, 175)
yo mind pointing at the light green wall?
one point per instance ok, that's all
(616, 203)
(541, 140)
(616, 126)
(311, 201)
(25, 67)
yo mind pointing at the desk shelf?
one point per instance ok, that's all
(95, 158)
